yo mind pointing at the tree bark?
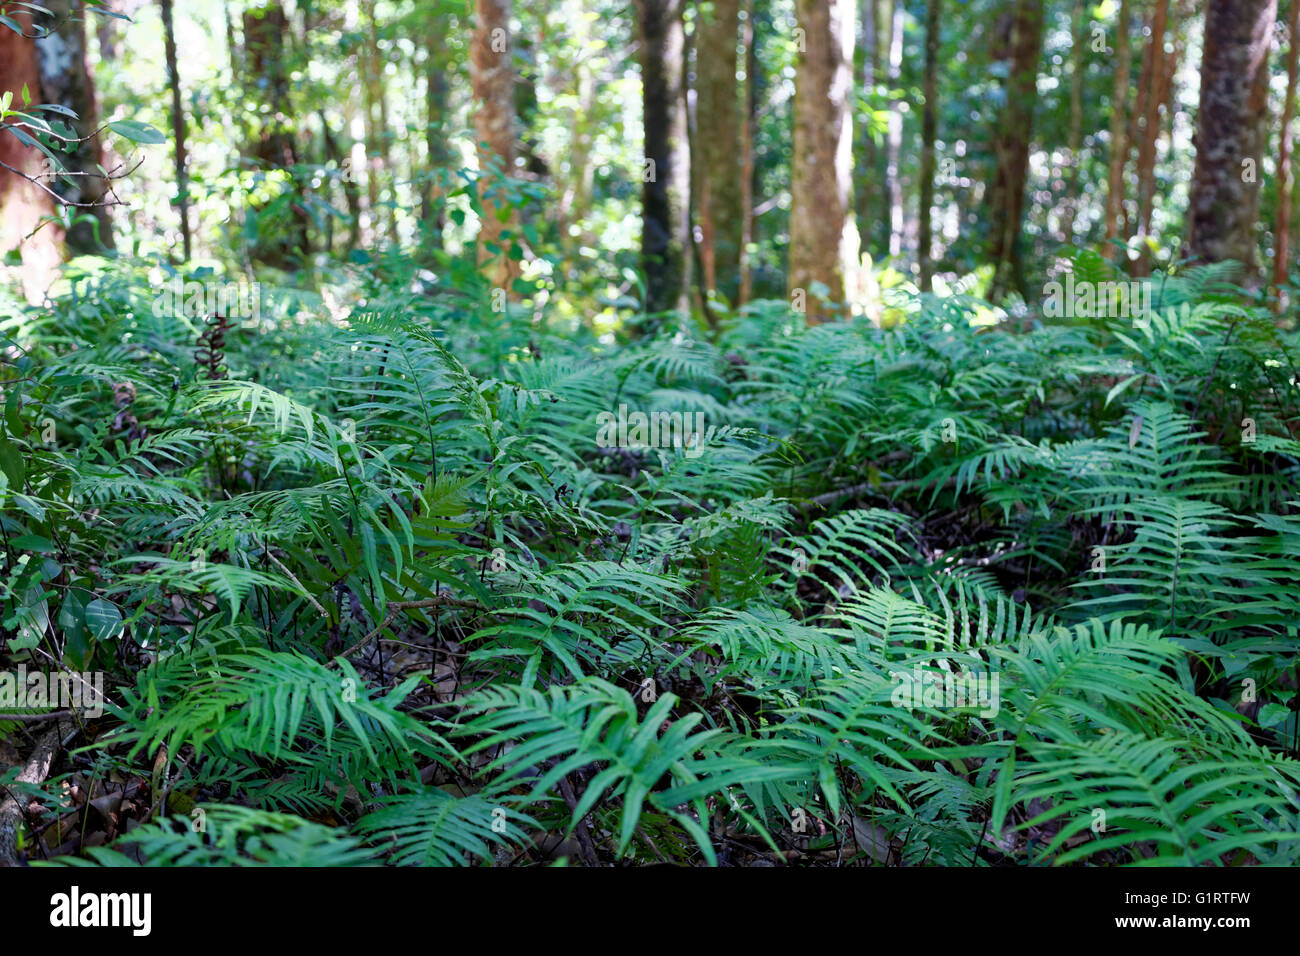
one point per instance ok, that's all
(719, 173)
(493, 78)
(1155, 83)
(1224, 203)
(436, 119)
(866, 152)
(22, 203)
(929, 121)
(1282, 224)
(894, 145)
(1011, 147)
(665, 236)
(378, 155)
(1072, 196)
(1118, 131)
(823, 239)
(747, 154)
(66, 81)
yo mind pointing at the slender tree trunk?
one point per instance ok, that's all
(865, 190)
(436, 131)
(372, 94)
(576, 194)
(925, 251)
(1138, 113)
(351, 195)
(1072, 197)
(106, 34)
(23, 203)
(1118, 144)
(1011, 147)
(718, 165)
(666, 177)
(1282, 225)
(1155, 83)
(386, 166)
(493, 77)
(893, 173)
(232, 44)
(823, 239)
(747, 155)
(178, 125)
(1224, 203)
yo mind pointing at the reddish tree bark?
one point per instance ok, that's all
(23, 203)
(492, 75)
(823, 239)
(1118, 132)
(1155, 83)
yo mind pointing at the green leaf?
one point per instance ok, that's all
(32, 542)
(13, 406)
(11, 463)
(102, 619)
(72, 623)
(137, 132)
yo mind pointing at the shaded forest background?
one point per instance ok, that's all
(671, 154)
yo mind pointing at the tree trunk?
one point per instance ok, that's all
(372, 94)
(928, 122)
(493, 78)
(437, 130)
(265, 30)
(866, 152)
(23, 203)
(577, 189)
(718, 121)
(66, 81)
(1282, 225)
(1155, 83)
(1011, 147)
(381, 159)
(747, 154)
(823, 240)
(666, 177)
(1072, 196)
(351, 195)
(178, 125)
(1118, 138)
(893, 174)
(1224, 203)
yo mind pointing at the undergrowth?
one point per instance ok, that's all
(369, 589)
